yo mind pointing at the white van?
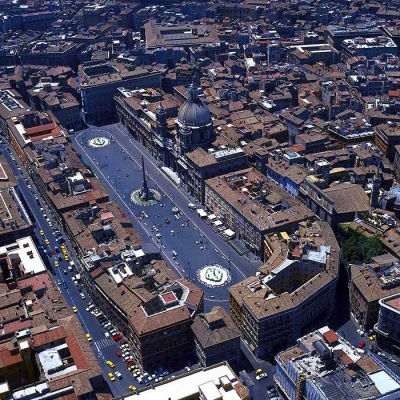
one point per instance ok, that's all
(71, 266)
(192, 206)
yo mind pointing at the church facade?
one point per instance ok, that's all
(169, 145)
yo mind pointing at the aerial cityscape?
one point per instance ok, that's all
(199, 200)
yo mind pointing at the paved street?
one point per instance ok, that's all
(118, 165)
(190, 256)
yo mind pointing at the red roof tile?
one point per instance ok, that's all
(331, 336)
(51, 335)
(17, 326)
(8, 359)
(74, 347)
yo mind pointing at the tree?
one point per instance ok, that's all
(357, 247)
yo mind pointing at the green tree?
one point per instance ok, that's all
(357, 247)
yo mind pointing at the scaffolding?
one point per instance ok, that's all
(300, 387)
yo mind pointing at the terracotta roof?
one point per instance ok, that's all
(7, 358)
(49, 336)
(346, 359)
(331, 336)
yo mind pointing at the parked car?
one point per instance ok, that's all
(118, 353)
(117, 337)
(263, 375)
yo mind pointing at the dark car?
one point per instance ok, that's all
(118, 353)
(123, 341)
(65, 285)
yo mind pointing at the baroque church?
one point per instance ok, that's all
(184, 151)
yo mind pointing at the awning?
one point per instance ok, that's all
(217, 223)
(211, 217)
(229, 233)
(201, 213)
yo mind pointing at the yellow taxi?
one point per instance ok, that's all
(66, 258)
(74, 309)
(372, 337)
(88, 337)
(56, 263)
(111, 376)
(41, 232)
(131, 387)
(46, 241)
(110, 364)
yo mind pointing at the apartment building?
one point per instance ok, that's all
(294, 293)
(44, 53)
(324, 365)
(368, 285)
(44, 348)
(216, 382)
(99, 83)
(156, 320)
(216, 338)
(15, 219)
(253, 206)
(388, 325)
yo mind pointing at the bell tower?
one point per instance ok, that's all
(375, 191)
(161, 116)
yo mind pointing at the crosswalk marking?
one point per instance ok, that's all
(102, 343)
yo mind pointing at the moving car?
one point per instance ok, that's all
(360, 332)
(89, 338)
(118, 375)
(131, 387)
(74, 308)
(46, 241)
(56, 263)
(41, 232)
(110, 364)
(117, 337)
(111, 376)
(361, 345)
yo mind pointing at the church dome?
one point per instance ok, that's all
(194, 113)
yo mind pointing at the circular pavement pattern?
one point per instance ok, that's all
(213, 275)
(154, 197)
(99, 142)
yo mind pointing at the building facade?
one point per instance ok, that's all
(292, 295)
(388, 326)
(99, 83)
(216, 338)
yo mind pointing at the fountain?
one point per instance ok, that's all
(99, 142)
(213, 275)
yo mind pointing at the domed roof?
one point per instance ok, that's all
(194, 112)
